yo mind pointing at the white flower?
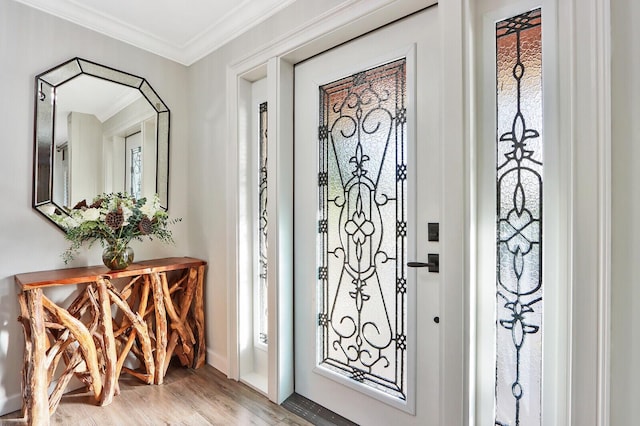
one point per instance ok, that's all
(113, 204)
(149, 209)
(70, 222)
(126, 212)
(91, 214)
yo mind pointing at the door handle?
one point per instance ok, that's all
(433, 263)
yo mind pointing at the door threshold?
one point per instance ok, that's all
(314, 413)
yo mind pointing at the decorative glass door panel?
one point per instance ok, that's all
(368, 180)
(263, 226)
(362, 227)
(519, 220)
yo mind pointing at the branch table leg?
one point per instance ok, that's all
(198, 307)
(139, 332)
(85, 342)
(37, 399)
(185, 309)
(110, 356)
(161, 327)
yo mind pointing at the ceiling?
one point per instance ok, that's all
(108, 99)
(183, 31)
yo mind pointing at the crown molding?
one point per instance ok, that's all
(237, 21)
(245, 15)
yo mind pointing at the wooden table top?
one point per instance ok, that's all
(85, 274)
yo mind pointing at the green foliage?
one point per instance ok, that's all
(114, 219)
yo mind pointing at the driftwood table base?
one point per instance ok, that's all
(156, 315)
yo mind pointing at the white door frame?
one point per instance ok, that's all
(345, 22)
(455, 249)
(590, 105)
(584, 33)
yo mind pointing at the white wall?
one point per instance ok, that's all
(85, 154)
(625, 292)
(210, 223)
(32, 42)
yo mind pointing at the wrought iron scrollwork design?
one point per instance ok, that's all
(519, 219)
(362, 228)
(263, 225)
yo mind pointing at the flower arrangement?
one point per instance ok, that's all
(114, 219)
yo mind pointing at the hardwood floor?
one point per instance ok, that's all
(188, 397)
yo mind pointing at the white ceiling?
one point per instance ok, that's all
(181, 30)
(107, 98)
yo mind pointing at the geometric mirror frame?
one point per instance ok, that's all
(116, 106)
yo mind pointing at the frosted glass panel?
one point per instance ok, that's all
(519, 220)
(362, 228)
(136, 172)
(262, 229)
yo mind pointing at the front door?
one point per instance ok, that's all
(368, 181)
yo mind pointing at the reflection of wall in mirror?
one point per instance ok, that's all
(114, 166)
(149, 156)
(98, 157)
(61, 175)
(85, 151)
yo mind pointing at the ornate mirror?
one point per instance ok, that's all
(97, 130)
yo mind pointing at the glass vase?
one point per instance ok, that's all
(117, 256)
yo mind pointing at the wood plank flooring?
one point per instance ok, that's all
(188, 397)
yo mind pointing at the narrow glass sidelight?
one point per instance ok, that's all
(262, 322)
(136, 172)
(519, 171)
(362, 228)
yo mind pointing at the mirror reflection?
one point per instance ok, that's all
(97, 130)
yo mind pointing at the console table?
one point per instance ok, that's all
(145, 314)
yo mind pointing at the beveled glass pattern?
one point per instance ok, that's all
(519, 220)
(262, 229)
(43, 169)
(162, 172)
(362, 227)
(152, 97)
(62, 73)
(111, 74)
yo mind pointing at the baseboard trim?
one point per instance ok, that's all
(14, 402)
(217, 361)
(10, 404)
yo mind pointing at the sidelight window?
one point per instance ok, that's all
(519, 185)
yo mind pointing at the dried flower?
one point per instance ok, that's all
(80, 205)
(145, 226)
(114, 220)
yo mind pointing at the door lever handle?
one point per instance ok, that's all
(433, 263)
